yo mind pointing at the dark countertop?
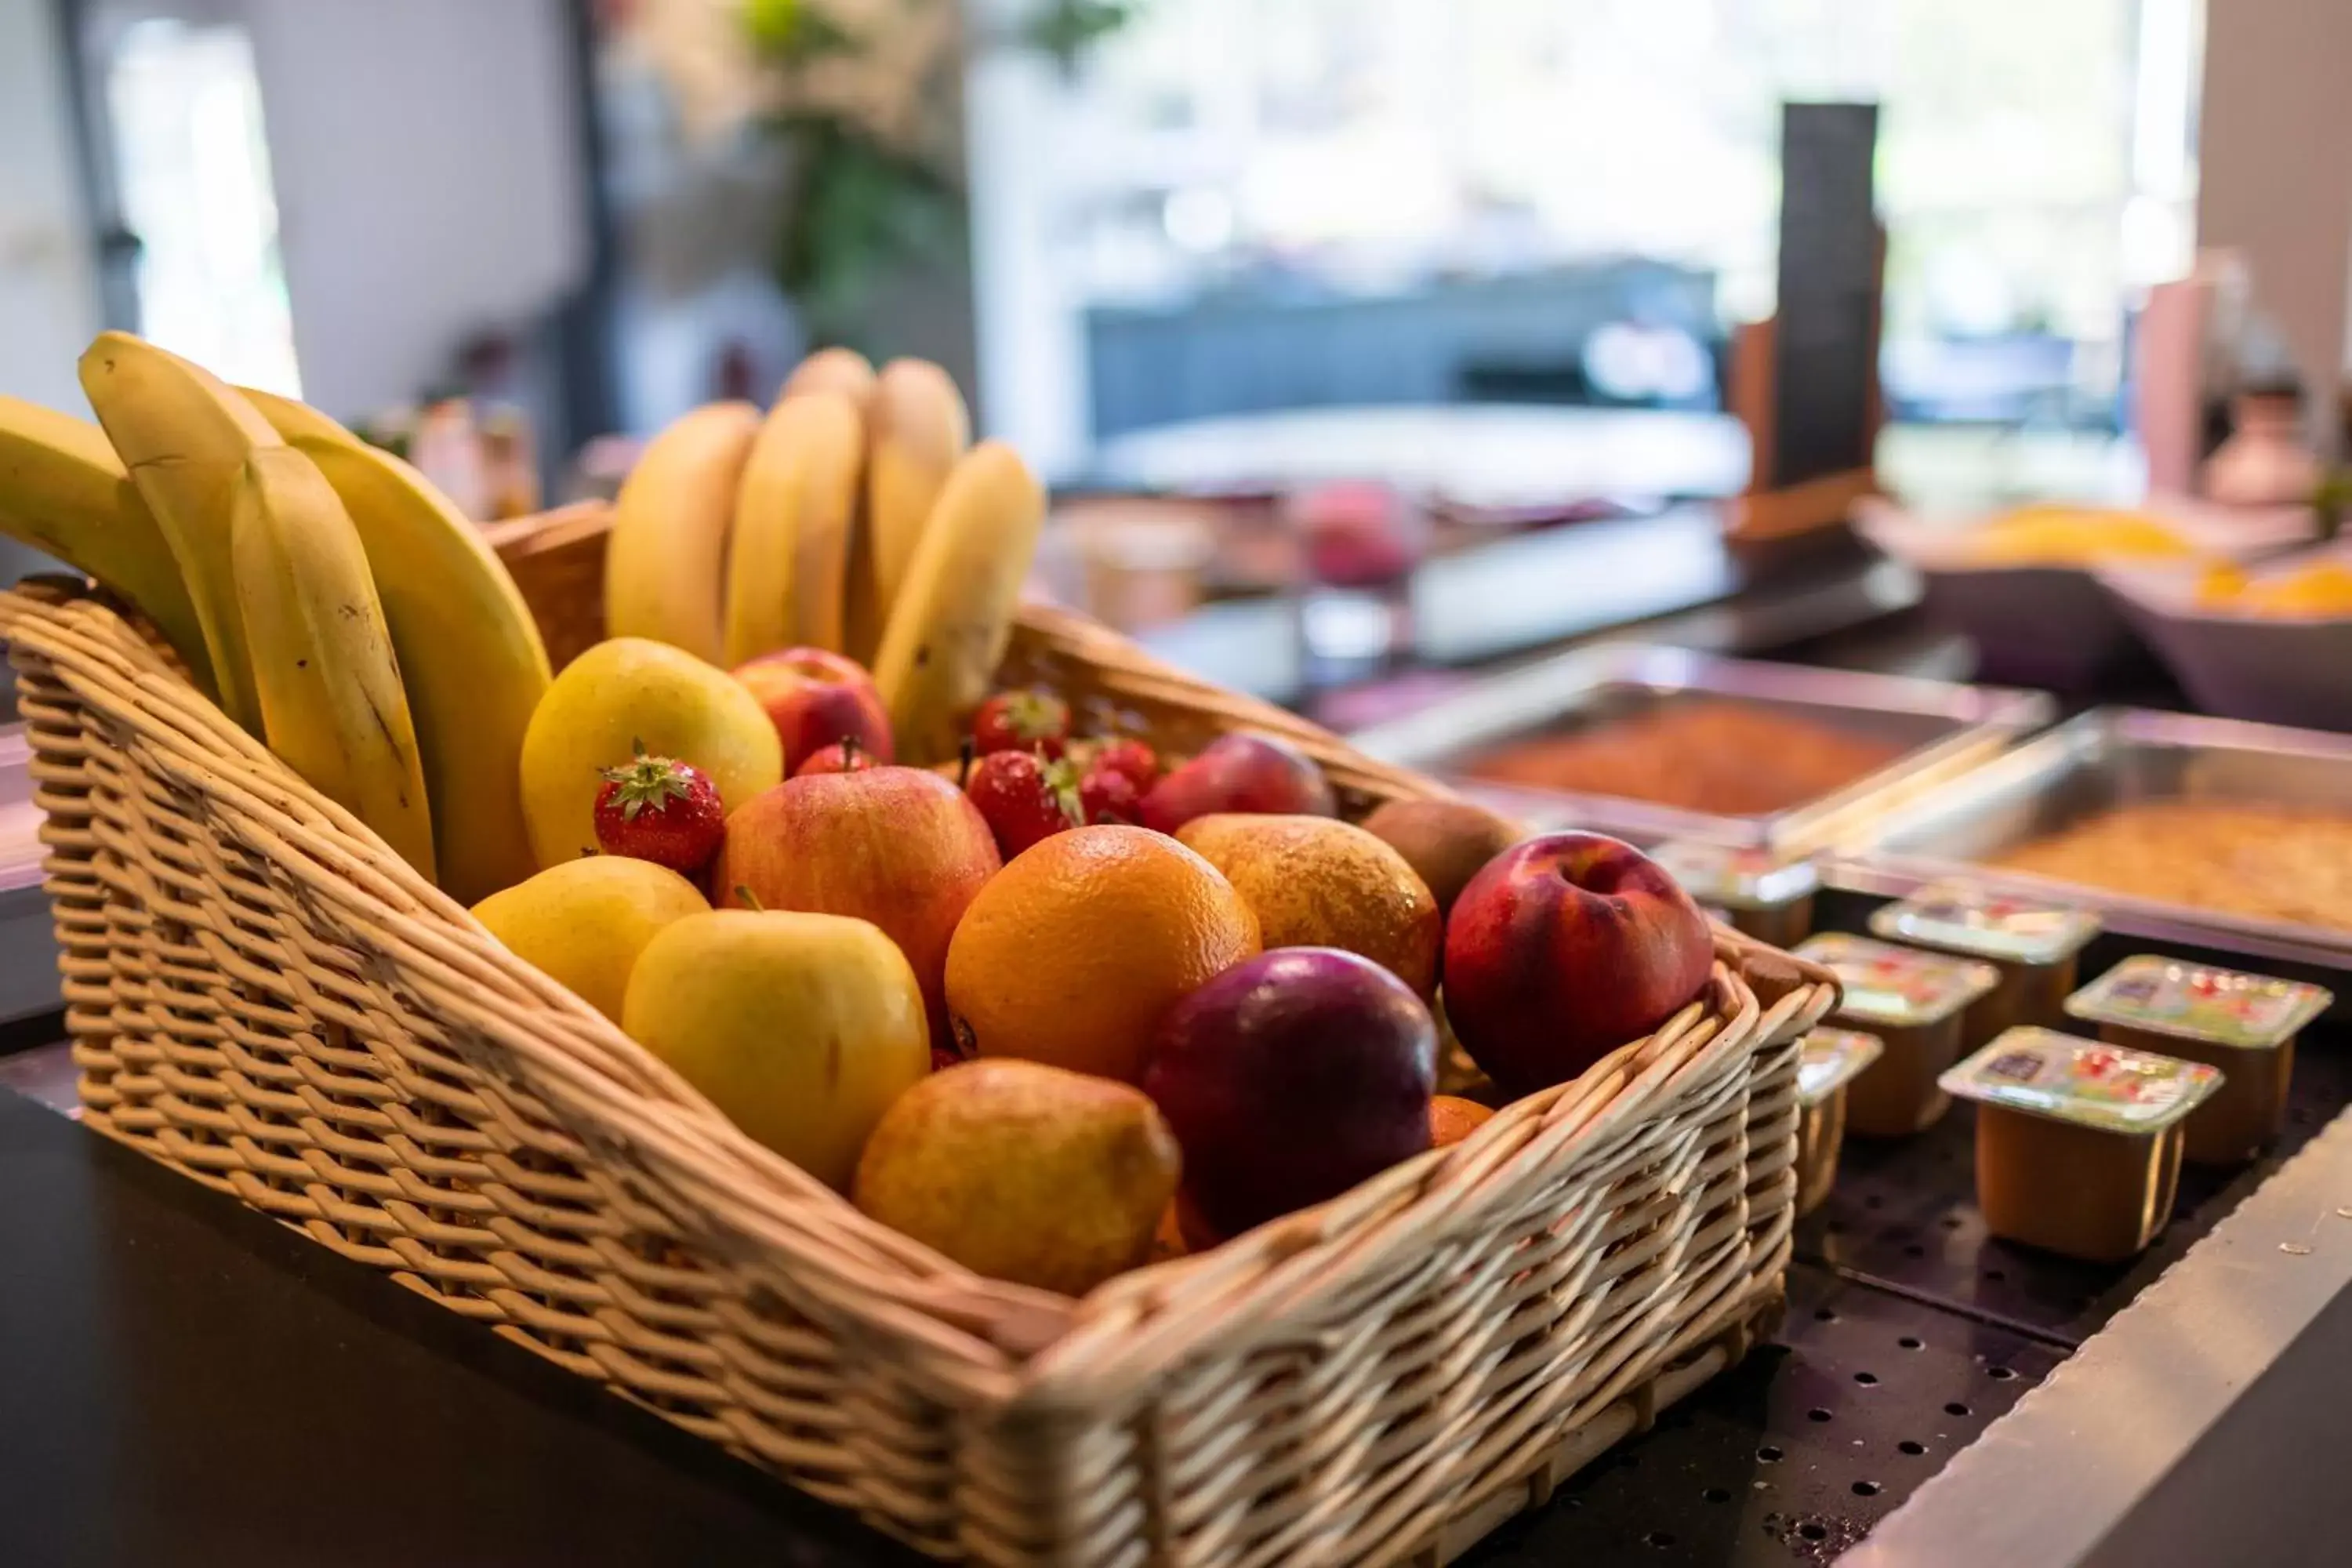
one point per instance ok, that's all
(184, 1383)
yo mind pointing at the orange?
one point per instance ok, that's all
(1314, 882)
(1074, 952)
(1451, 1119)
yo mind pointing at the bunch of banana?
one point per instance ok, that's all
(469, 651)
(336, 604)
(855, 517)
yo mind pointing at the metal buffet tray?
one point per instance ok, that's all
(1944, 730)
(2105, 757)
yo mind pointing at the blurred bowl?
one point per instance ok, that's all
(2056, 624)
(2274, 668)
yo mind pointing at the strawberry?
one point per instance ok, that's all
(1024, 798)
(844, 756)
(1138, 762)
(1106, 794)
(659, 809)
(1021, 721)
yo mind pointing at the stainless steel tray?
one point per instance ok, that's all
(1944, 730)
(2108, 756)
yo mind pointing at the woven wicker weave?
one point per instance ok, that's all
(263, 996)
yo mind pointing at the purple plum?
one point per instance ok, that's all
(1289, 1079)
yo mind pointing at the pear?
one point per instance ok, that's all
(802, 1028)
(584, 923)
(1024, 1173)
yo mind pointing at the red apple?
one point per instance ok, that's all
(814, 699)
(899, 846)
(1563, 948)
(1241, 771)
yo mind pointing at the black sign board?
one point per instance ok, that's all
(1825, 340)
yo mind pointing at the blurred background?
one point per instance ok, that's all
(1201, 259)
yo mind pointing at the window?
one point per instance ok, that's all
(193, 165)
(2034, 166)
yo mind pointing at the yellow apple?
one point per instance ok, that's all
(620, 693)
(802, 1028)
(584, 923)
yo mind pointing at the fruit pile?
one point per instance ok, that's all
(1059, 1005)
(1048, 1001)
(1078, 1012)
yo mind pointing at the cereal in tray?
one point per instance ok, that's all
(1726, 758)
(2262, 862)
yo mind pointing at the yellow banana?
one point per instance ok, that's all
(949, 626)
(470, 657)
(295, 421)
(789, 553)
(844, 370)
(664, 563)
(916, 429)
(64, 491)
(850, 373)
(323, 667)
(184, 436)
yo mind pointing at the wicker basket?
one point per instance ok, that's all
(263, 996)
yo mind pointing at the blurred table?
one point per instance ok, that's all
(1501, 455)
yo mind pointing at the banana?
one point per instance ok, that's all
(323, 668)
(916, 429)
(789, 554)
(65, 492)
(951, 620)
(844, 370)
(470, 657)
(184, 436)
(295, 421)
(665, 561)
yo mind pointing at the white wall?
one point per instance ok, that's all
(425, 159)
(49, 289)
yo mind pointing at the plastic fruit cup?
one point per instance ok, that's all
(1827, 1061)
(2246, 1024)
(2078, 1143)
(2033, 943)
(1769, 898)
(1913, 1001)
